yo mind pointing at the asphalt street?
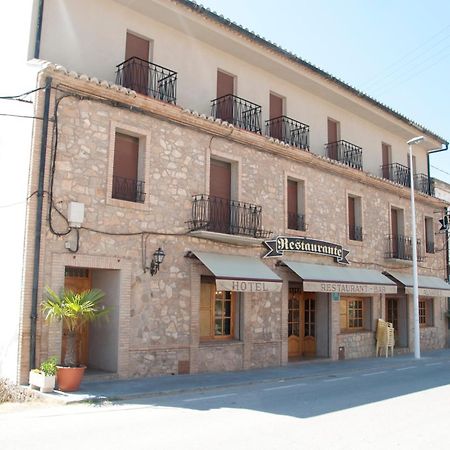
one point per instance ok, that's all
(406, 406)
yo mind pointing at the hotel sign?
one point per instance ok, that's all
(282, 244)
(247, 285)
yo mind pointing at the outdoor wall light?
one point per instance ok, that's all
(158, 258)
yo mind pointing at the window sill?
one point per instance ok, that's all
(356, 331)
(291, 231)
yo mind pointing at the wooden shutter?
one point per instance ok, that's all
(137, 46)
(276, 106)
(136, 72)
(225, 84)
(220, 179)
(207, 291)
(351, 217)
(292, 204)
(126, 152)
(332, 131)
(394, 222)
(385, 159)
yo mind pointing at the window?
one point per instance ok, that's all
(398, 248)
(276, 106)
(296, 205)
(429, 235)
(354, 218)
(127, 181)
(333, 128)
(354, 313)
(217, 312)
(425, 312)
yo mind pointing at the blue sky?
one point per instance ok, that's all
(396, 51)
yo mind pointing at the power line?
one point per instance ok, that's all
(21, 116)
(383, 75)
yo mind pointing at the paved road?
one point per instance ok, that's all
(401, 407)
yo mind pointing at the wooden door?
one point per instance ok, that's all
(309, 324)
(275, 112)
(78, 280)
(225, 105)
(220, 209)
(333, 137)
(392, 312)
(136, 72)
(294, 342)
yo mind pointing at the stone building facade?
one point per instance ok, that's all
(218, 302)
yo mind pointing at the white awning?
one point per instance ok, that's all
(240, 273)
(428, 286)
(344, 280)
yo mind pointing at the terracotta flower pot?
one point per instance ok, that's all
(69, 378)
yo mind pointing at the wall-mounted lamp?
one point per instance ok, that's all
(158, 258)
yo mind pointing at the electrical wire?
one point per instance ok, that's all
(19, 96)
(21, 116)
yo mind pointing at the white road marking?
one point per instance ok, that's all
(336, 379)
(197, 399)
(373, 373)
(406, 368)
(287, 386)
(434, 364)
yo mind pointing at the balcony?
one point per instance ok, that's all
(346, 153)
(400, 247)
(239, 112)
(148, 79)
(296, 222)
(128, 189)
(422, 184)
(232, 217)
(289, 130)
(401, 174)
(355, 233)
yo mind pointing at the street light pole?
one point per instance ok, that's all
(410, 143)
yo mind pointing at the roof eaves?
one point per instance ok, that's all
(296, 59)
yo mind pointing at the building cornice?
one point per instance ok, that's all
(83, 85)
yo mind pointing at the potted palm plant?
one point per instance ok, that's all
(74, 310)
(44, 376)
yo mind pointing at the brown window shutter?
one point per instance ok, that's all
(292, 197)
(332, 131)
(126, 152)
(276, 106)
(220, 179)
(351, 217)
(207, 291)
(225, 84)
(137, 46)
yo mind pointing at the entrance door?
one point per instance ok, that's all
(78, 280)
(301, 333)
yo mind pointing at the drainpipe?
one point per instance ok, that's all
(37, 38)
(443, 149)
(38, 223)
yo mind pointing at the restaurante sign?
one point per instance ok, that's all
(282, 244)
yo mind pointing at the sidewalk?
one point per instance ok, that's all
(115, 390)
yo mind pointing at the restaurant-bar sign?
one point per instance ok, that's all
(282, 244)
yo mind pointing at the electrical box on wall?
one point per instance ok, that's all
(75, 214)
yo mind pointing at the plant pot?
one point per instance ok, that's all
(45, 383)
(69, 378)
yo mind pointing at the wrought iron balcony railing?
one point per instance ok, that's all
(239, 112)
(148, 78)
(289, 130)
(401, 174)
(345, 152)
(355, 233)
(424, 184)
(400, 247)
(296, 222)
(396, 173)
(220, 215)
(128, 189)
